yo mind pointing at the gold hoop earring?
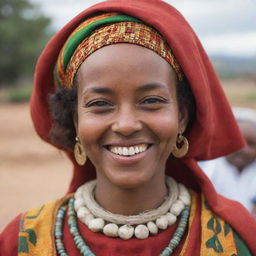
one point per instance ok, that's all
(79, 152)
(181, 147)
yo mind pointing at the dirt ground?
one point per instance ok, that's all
(33, 172)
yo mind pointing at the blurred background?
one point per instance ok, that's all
(32, 172)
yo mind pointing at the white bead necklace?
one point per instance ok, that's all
(142, 225)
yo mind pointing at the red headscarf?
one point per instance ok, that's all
(214, 132)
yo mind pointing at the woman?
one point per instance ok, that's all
(123, 69)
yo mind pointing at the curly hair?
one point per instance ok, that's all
(63, 103)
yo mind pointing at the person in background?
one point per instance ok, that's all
(234, 176)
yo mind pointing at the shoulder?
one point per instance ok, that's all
(226, 218)
(9, 238)
(26, 229)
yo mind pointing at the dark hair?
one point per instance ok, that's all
(186, 101)
(63, 103)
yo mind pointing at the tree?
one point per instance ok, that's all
(24, 31)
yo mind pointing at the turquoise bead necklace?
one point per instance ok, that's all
(85, 250)
(58, 231)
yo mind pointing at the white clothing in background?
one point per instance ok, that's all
(229, 182)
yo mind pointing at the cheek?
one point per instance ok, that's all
(165, 127)
(90, 131)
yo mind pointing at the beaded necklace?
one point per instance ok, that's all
(142, 225)
(85, 250)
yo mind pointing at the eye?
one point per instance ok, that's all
(153, 100)
(98, 103)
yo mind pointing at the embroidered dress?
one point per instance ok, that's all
(36, 236)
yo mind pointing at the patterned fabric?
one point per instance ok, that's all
(36, 231)
(36, 235)
(217, 235)
(91, 36)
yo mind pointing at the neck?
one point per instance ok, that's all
(130, 201)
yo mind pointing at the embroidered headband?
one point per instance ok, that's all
(103, 30)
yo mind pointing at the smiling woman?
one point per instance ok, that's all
(112, 118)
(134, 113)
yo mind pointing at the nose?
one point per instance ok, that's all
(127, 122)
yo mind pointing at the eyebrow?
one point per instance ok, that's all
(103, 90)
(151, 86)
(143, 88)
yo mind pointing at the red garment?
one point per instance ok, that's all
(214, 132)
(9, 238)
(103, 245)
(152, 246)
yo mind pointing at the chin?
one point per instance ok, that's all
(130, 179)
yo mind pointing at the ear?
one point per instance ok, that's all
(75, 120)
(75, 114)
(183, 120)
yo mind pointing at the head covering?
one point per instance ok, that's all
(103, 30)
(214, 132)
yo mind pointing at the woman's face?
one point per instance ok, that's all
(128, 116)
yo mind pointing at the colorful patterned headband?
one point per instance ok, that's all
(104, 30)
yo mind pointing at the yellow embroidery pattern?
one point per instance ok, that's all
(217, 235)
(36, 236)
(37, 239)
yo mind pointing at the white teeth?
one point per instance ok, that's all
(128, 151)
(142, 148)
(131, 151)
(125, 151)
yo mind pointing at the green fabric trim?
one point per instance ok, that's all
(35, 216)
(78, 37)
(227, 229)
(31, 236)
(23, 245)
(214, 242)
(241, 247)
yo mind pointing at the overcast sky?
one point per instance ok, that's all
(224, 26)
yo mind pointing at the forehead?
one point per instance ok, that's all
(126, 62)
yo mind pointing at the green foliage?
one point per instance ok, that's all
(17, 95)
(251, 97)
(24, 31)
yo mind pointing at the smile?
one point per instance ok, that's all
(129, 151)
